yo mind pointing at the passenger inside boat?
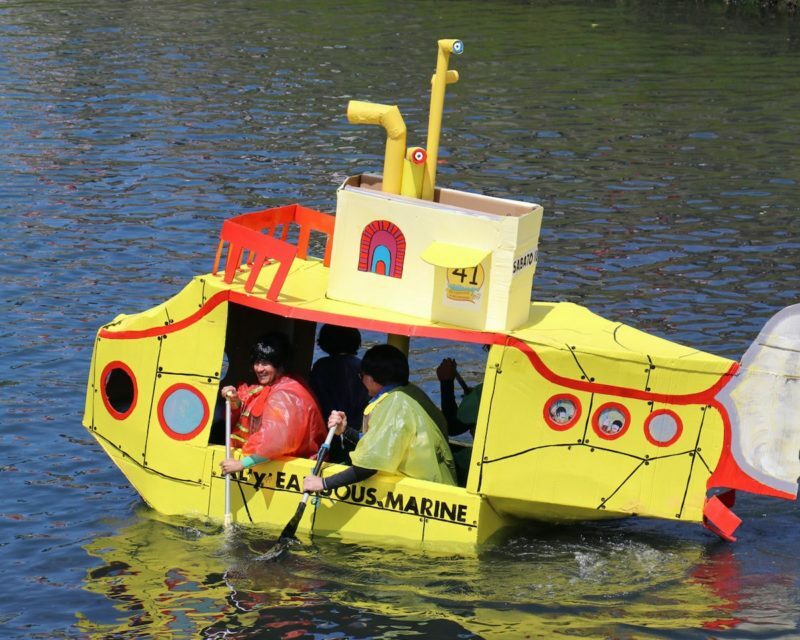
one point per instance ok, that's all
(336, 382)
(278, 416)
(399, 434)
(246, 324)
(461, 418)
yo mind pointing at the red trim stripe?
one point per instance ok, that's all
(467, 335)
(726, 474)
(701, 397)
(280, 309)
(212, 303)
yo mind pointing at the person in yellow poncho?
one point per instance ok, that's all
(397, 436)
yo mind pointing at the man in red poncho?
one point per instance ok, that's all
(277, 417)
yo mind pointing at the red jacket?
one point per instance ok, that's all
(279, 420)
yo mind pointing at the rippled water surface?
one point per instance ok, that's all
(661, 139)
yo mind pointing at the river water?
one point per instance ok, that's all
(661, 139)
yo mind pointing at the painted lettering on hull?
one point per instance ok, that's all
(358, 494)
(287, 481)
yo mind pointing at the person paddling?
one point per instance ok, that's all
(276, 417)
(398, 435)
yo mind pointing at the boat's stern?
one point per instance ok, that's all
(592, 419)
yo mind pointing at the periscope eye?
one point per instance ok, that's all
(419, 156)
(458, 47)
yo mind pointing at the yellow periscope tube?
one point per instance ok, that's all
(389, 118)
(439, 82)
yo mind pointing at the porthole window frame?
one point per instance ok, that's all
(567, 425)
(596, 420)
(678, 432)
(171, 433)
(107, 370)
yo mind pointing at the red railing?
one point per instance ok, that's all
(257, 232)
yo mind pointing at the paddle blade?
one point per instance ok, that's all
(276, 551)
(286, 538)
(287, 535)
(291, 527)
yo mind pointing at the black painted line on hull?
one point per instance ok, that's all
(579, 365)
(566, 444)
(621, 484)
(587, 418)
(145, 467)
(694, 457)
(94, 377)
(703, 460)
(642, 462)
(152, 400)
(244, 499)
(497, 370)
(189, 375)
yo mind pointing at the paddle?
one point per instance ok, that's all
(287, 535)
(227, 455)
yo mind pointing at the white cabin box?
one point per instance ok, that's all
(462, 259)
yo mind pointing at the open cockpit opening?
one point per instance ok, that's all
(452, 374)
(446, 375)
(245, 326)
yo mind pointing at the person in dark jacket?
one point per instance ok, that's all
(336, 382)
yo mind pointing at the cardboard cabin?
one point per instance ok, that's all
(462, 259)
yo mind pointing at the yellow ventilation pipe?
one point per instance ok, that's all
(390, 119)
(439, 82)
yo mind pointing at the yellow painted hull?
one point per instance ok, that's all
(385, 507)
(521, 467)
(181, 476)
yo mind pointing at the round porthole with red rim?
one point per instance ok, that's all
(118, 389)
(663, 427)
(611, 420)
(562, 411)
(182, 412)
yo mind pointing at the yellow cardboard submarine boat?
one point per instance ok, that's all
(580, 417)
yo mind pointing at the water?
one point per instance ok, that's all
(661, 140)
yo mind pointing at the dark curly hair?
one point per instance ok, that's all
(274, 348)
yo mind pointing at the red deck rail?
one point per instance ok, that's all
(256, 233)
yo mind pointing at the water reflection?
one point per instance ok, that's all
(658, 138)
(197, 581)
(167, 579)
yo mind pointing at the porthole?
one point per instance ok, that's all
(663, 427)
(611, 420)
(182, 412)
(562, 411)
(118, 389)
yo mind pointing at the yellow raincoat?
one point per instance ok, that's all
(402, 438)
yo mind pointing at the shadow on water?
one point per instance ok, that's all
(597, 580)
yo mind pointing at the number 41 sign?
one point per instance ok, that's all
(464, 284)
